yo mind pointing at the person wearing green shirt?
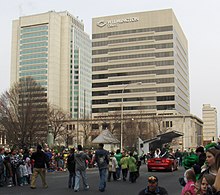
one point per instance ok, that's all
(124, 166)
(132, 168)
(118, 157)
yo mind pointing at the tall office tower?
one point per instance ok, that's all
(210, 130)
(140, 63)
(53, 49)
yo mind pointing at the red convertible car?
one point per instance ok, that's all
(169, 163)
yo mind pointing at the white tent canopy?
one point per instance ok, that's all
(106, 137)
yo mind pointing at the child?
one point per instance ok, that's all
(29, 169)
(206, 182)
(113, 164)
(190, 179)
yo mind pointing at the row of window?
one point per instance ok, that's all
(154, 63)
(156, 46)
(155, 89)
(31, 73)
(106, 84)
(36, 61)
(166, 107)
(136, 99)
(33, 67)
(37, 78)
(36, 50)
(31, 56)
(102, 110)
(167, 124)
(34, 28)
(157, 72)
(37, 39)
(34, 45)
(159, 107)
(153, 29)
(136, 39)
(36, 34)
(144, 55)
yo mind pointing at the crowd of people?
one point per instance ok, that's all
(19, 167)
(202, 175)
(22, 167)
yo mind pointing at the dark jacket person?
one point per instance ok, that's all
(41, 161)
(153, 188)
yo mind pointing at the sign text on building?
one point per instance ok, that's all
(115, 23)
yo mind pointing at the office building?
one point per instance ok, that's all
(54, 50)
(139, 64)
(209, 117)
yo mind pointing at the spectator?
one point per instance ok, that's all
(15, 162)
(217, 179)
(80, 168)
(2, 167)
(132, 168)
(118, 157)
(153, 188)
(210, 168)
(205, 184)
(190, 179)
(40, 159)
(124, 166)
(202, 156)
(178, 156)
(113, 164)
(102, 158)
(71, 168)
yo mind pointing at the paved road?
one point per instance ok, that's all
(58, 184)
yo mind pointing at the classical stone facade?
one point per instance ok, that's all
(144, 126)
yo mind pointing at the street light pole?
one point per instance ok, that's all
(122, 109)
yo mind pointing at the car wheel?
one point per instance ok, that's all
(149, 170)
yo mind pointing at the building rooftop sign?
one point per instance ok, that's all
(116, 22)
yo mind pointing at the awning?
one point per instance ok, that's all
(164, 138)
(106, 137)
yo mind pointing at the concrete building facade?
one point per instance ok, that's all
(140, 63)
(189, 125)
(54, 50)
(210, 129)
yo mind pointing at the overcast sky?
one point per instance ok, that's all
(199, 20)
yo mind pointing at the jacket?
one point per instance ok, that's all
(158, 191)
(80, 160)
(40, 159)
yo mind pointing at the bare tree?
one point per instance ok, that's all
(87, 126)
(157, 125)
(57, 118)
(23, 113)
(130, 133)
(112, 121)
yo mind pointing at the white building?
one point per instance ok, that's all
(210, 130)
(53, 48)
(140, 60)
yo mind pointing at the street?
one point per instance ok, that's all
(57, 182)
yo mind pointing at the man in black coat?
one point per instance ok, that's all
(153, 188)
(71, 168)
(41, 162)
